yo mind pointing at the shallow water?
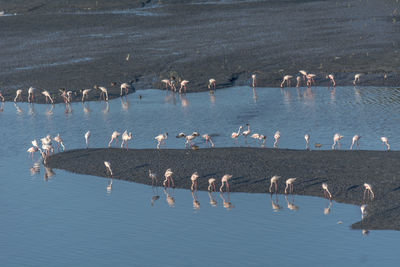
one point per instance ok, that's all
(69, 219)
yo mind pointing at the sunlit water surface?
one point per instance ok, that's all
(68, 219)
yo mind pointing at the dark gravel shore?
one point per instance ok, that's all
(344, 171)
(77, 44)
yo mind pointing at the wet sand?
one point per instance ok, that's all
(77, 44)
(344, 171)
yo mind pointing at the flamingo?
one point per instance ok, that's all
(125, 138)
(189, 139)
(183, 85)
(298, 79)
(331, 77)
(31, 94)
(125, 87)
(385, 142)
(235, 135)
(224, 180)
(326, 191)
(47, 95)
(357, 78)
(153, 177)
(310, 78)
(247, 132)
(32, 150)
(274, 180)
(207, 138)
(87, 136)
(289, 184)
(108, 167)
(255, 136)
(168, 178)
(193, 178)
(59, 142)
(277, 135)
(85, 93)
(18, 95)
(264, 139)
(69, 96)
(307, 138)
(211, 184)
(368, 190)
(2, 97)
(286, 79)
(355, 141)
(167, 83)
(303, 73)
(161, 139)
(211, 84)
(253, 78)
(114, 136)
(103, 93)
(336, 139)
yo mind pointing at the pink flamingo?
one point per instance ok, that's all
(289, 184)
(168, 178)
(357, 78)
(211, 184)
(18, 95)
(326, 191)
(211, 84)
(330, 77)
(125, 138)
(47, 95)
(183, 85)
(336, 139)
(286, 79)
(114, 136)
(108, 167)
(224, 180)
(193, 178)
(355, 141)
(274, 181)
(368, 189)
(385, 141)
(31, 94)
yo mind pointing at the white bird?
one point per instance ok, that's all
(114, 136)
(161, 139)
(85, 93)
(224, 180)
(385, 141)
(253, 78)
(35, 144)
(125, 87)
(183, 85)
(168, 178)
(103, 93)
(326, 191)
(289, 184)
(167, 84)
(211, 84)
(255, 136)
(332, 79)
(247, 132)
(193, 178)
(274, 180)
(31, 94)
(59, 142)
(355, 141)
(298, 79)
(190, 138)
(286, 79)
(153, 177)
(277, 135)
(211, 184)
(235, 135)
(336, 140)
(307, 138)
(125, 138)
(32, 150)
(18, 95)
(47, 95)
(357, 78)
(207, 138)
(87, 136)
(108, 167)
(368, 190)
(304, 73)
(310, 78)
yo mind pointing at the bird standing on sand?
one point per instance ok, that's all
(368, 190)
(183, 85)
(235, 135)
(211, 185)
(207, 138)
(289, 184)
(87, 136)
(286, 79)
(336, 140)
(108, 167)
(357, 78)
(47, 95)
(114, 136)
(59, 142)
(332, 78)
(224, 180)
(161, 139)
(253, 78)
(31, 94)
(355, 141)
(168, 178)
(153, 177)
(125, 138)
(307, 138)
(274, 180)
(326, 191)
(385, 141)
(18, 95)
(277, 135)
(85, 93)
(304, 74)
(193, 178)
(211, 84)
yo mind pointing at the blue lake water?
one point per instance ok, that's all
(69, 219)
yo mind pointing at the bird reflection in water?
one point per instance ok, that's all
(31, 110)
(275, 203)
(109, 186)
(35, 169)
(48, 173)
(170, 97)
(328, 207)
(124, 103)
(254, 95)
(49, 111)
(212, 98)
(106, 108)
(68, 108)
(290, 203)
(309, 94)
(184, 101)
(170, 200)
(2, 107)
(226, 202)
(196, 203)
(19, 110)
(86, 108)
(212, 202)
(333, 93)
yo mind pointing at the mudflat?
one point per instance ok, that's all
(345, 172)
(78, 44)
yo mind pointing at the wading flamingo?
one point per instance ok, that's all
(224, 180)
(211, 185)
(207, 138)
(47, 95)
(307, 138)
(253, 78)
(247, 132)
(211, 84)
(168, 178)
(368, 190)
(235, 135)
(108, 167)
(161, 139)
(87, 136)
(85, 94)
(357, 78)
(31, 94)
(332, 78)
(277, 135)
(336, 140)
(355, 141)
(326, 191)
(385, 141)
(303, 73)
(289, 184)
(274, 180)
(183, 85)
(298, 79)
(59, 142)
(286, 79)
(125, 138)
(193, 178)
(18, 95)
(125, 88)
(114, 136)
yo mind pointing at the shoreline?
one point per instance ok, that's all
(344, 171)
